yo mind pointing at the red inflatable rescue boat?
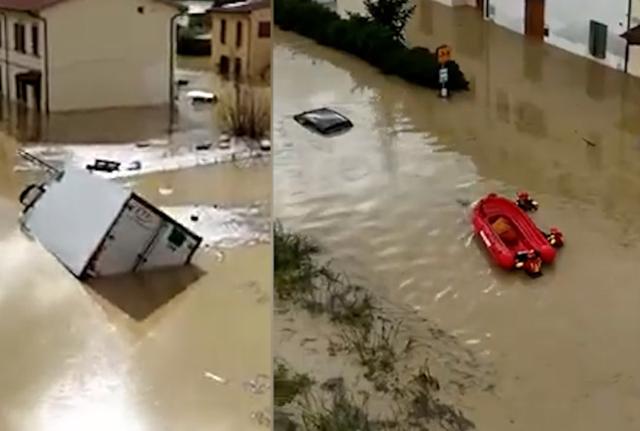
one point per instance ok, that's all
(511, 237)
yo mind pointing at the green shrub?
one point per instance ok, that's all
(362, 37)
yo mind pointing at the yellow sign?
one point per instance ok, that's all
(443, 53)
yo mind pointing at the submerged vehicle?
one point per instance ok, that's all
(95, 227)
(324, 121)
(512, 239)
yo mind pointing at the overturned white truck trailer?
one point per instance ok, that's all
(97, 228)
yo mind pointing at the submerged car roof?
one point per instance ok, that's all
(324, 120)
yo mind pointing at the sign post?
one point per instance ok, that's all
(444, 78)
(444, 56)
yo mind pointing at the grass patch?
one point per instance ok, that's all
(245, 111)
(299, 278)
(288, 384)
(378, 343)
(425, 405)
(364, 38)
(342, 412)
(377, 348)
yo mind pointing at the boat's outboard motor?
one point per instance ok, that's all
(526, 203)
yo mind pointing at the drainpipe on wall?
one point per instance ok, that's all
(172, 47)
(5, 38)
(626, 48)
(45, 28)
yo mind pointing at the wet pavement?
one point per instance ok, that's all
(162, 350)
(384, 199)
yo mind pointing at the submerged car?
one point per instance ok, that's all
(324, 121)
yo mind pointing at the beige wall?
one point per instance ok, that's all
(260, 56)
(13, 62)
(106, 54)
(253, 52)
(230, 47)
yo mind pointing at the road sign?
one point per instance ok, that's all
(443, 53)
(444, 75)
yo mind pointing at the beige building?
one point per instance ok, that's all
(241, 40)
(64, 55)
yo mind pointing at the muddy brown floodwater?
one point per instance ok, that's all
(384, 201)
(162, 350)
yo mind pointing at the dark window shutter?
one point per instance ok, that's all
(598, 39)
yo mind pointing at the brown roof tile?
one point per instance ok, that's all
(36, 5)
(241, 6)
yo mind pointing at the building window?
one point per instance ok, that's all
(18, 36)
(264, 29)
(239, 34)
(238, 67)
(1, 35)
(223, 31)
(35, 40)
(224, 65)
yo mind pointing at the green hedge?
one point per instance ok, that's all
(363, 38)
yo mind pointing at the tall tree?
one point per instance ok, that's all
(393, 14)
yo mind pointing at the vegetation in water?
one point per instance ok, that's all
(245, 110)
(368, 39)
(378, 343)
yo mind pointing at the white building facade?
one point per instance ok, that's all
(590, 28)
(66, 55)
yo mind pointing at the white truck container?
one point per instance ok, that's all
(98, 228)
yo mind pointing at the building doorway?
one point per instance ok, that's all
(480, 6)
(224, 65)
(534, 19)
(26, 80)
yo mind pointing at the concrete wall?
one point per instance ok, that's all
(254, 52)
(13, 62)
(107, 54)
(508, 13)
(568, 24)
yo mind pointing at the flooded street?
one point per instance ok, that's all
(384, 200)
(162, 350)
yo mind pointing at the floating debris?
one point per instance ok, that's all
(203, 146)
(165, 191)
(104, 165)
(216, 378)
(440, 294)
(463, 202)
(182, 82)
(136, 165)
(259, 385)
(261, 418)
